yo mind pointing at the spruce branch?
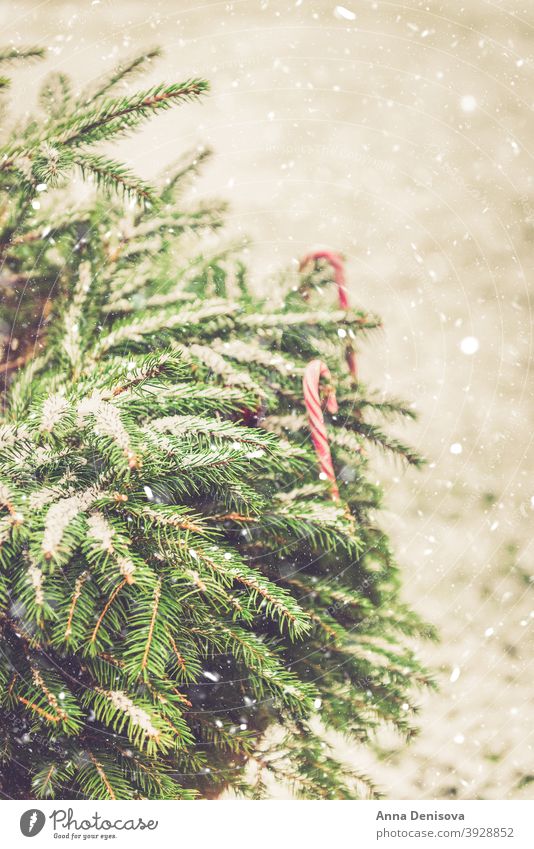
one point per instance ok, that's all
(112, 176)
(55, 96)
(189, 167)
(126, 69)
(117, 116)
(14, 54)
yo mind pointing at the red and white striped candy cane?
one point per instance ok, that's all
(312, 399)
(336, 261)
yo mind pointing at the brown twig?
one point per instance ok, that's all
(155, 605)
(108, 604)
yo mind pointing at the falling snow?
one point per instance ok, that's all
(405, 139)
(469, 345)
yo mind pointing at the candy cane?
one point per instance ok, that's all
(336, 261)
(312, 377)
(337, 264)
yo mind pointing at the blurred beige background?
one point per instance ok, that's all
(400, 133)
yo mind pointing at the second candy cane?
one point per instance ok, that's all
(338, 266)
(313, 373)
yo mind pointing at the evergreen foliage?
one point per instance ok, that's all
(183, 605)
(39, 155)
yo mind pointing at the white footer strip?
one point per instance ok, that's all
(270, 824)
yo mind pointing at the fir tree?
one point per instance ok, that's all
(176, 580)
